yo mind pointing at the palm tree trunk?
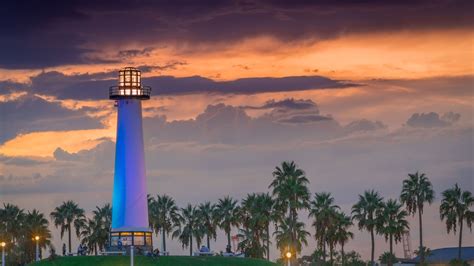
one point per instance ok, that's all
(95, 249)
(422, 251)
(228, 240)
(69, 235)
(324, 249)
(330, 252)
(390, 262)
(163, 239)
(372, 261)
(460, 237)
(268, 242)
(343, 256)
(208, 242)
(191, 246)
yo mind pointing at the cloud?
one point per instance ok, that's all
(31, 113)
(364, 125)
(34, 40)
(236, 153)
(286, 103)
(95, 86)
(432, 119)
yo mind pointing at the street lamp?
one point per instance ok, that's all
(288, 256)
(3, 244)
(37, 238)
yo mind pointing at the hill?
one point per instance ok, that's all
(161, 261)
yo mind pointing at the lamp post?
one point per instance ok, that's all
(288, 256)
(131, 255)
(3, 244)
(37, 238)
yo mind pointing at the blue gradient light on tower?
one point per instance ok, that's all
(129, 202)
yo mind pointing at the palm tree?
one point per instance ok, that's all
(364, 211)
(90, 233)
(227, 216)
(392, 223)
(417, 190)
(65, 215)
(291, 234)
(207, 216)
(323, 210)
(95, 232)
(266, 210)
(164, 213)
(256, 215)
(342, 235)
(188, 227)
(290, 188)
(10, 216)
(35, 224)
(455, 208)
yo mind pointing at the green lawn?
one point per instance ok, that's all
(145, 261)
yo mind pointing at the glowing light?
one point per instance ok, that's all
(37, 238)
(3, 244)
(288, 255)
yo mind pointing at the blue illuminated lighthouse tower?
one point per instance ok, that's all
(129, 203)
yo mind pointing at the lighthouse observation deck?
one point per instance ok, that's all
(129, 86)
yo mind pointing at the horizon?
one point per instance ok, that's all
(357, 94)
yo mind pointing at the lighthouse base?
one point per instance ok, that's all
(122, 240)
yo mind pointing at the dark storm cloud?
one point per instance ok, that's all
(29, 114)
(38, 34)
(94, 86)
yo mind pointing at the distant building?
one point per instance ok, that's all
(442, 256)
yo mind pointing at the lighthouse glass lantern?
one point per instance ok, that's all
(130, 225)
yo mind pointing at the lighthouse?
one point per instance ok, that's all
(130, 225)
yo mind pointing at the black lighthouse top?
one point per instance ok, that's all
(130, 86)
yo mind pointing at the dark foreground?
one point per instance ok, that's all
(145, 261)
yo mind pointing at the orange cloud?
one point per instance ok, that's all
(43, 144)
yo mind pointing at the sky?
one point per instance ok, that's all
(357, 93)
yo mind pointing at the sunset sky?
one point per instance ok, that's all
(357, 93)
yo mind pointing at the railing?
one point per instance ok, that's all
(118, 92)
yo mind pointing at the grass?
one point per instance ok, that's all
(145, 261)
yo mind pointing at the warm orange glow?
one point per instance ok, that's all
(3, 244)
(356, 56)
(37, 238)
(44, 144)
(288, 255)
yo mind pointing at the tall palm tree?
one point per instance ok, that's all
(285, 234)
(342, 234)
(188, 227)
(392, 223)
(165, 216)
(227, 216)
(66, 215)
(417, 190)
(364, 211)
(455, 208)
(207, 216)
(324, 211)
(290, 188)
